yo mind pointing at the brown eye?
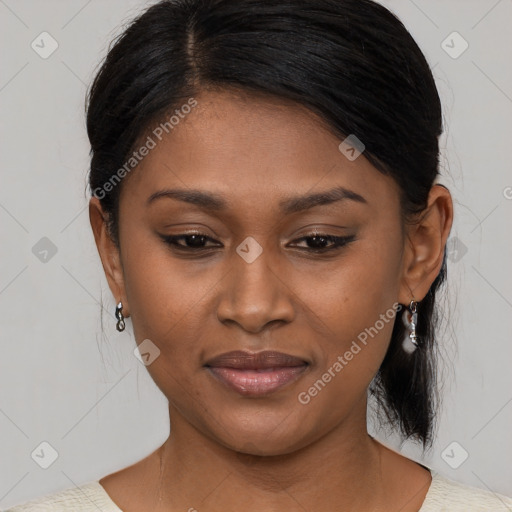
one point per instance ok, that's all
(318, 242)
(315, 243)
(193, 241)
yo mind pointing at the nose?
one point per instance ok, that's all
(255, 295)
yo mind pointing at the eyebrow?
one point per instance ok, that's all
(215, 202)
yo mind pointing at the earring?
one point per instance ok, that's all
(410, 320)
(120, 318)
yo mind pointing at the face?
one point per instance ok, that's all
(259, 267)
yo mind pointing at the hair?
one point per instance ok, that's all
(351, 62)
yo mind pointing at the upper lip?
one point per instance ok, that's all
(254, 361)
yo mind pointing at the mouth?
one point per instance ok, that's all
(256, 374)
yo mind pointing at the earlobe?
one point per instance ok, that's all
(425, 245)
(108, 252)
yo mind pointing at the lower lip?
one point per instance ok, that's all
(257, 382)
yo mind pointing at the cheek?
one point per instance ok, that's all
(171, 302)
(351, 293)
(165, 307)
(354, 303)
(158, 292)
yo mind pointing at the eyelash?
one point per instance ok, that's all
(337, 242)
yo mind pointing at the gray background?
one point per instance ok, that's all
(85, 393)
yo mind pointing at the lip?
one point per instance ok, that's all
(256, 374)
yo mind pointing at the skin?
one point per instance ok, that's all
(227, 451)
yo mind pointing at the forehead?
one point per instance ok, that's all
(249, 145)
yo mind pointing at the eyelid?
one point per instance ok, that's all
(337, 241)
(169, 238)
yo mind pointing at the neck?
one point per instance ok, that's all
(332, 473)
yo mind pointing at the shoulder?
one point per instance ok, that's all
(87, 497)
(450, 496)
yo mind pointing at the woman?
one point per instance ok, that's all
(267, 212)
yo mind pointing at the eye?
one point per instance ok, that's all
(319, 242)
(316, 242)
(193, 241)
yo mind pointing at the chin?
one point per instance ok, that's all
(260, 432)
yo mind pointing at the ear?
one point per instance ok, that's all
(425, 241)
(109, 253)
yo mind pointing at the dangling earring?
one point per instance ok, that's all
(120, 318)
(410, 319)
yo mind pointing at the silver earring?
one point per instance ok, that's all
(120, 318)
(410, 320)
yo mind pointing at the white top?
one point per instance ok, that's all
(443, 495)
